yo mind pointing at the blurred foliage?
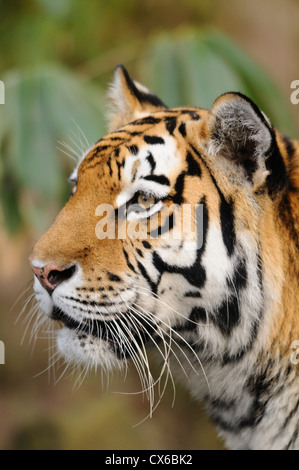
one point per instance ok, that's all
(195, 68)
(74, 31)
(45, 108)
(52, 110)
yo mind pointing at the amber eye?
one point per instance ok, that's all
(145, 200)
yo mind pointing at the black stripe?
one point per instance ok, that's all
(147, 120)
(151, 161)
(222, 404)
(119, 165)
(133, 149)
(152, 99)
(194, 116)
(168, 225)
(193, 165)
(195, 274)
(230, 358)
(171, 123)
(96, 151)
(192, 294)
(227, 315)
(239, 279)
(289, 145)
(114, 277)
(293, 440)
(139, 252)
(182, 129)
(227, 224)
(146, 244)
(109, 165)
(153, 140)
(161, 179)
(278, 177)
(197, 316)
(290, 415)
(179, 188)
(286, 214)
(128, 262)
(226, 213)
(133, 133)
(144, 273)
(142, 97)
(233, 358)
(258, 387)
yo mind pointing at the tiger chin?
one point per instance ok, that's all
(222, 310)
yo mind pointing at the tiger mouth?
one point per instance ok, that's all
(96, 328)
(133, 336)
(60, 316)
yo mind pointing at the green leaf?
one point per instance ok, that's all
(259, 85)
(194, 68)
(43, 107)
(9, 195)
(159, 70)
(57, 8)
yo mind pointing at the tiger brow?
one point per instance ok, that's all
(161, 179)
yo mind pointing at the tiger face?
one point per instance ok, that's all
(207, 293)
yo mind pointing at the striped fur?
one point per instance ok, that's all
(226, 313)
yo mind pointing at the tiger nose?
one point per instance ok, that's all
(51, 275)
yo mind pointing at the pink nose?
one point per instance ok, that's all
(51, 275)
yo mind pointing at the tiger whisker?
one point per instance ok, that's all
(81, 132)
(161, 335)
(79, 147)
(29, 286)
(137, 329)
(68, 147)
(67, 154)
(166, 366)
(26, 303)
(152, 325)
(189, 347)
(159, 299)
(165, 333)
(146, 378)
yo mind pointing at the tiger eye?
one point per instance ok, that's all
(145, 200)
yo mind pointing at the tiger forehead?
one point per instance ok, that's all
(146, 130)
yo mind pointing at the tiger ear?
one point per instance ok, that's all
(129, 100)
(240, 132)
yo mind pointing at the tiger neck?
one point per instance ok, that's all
(285, 327)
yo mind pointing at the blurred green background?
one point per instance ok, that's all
(57, 58)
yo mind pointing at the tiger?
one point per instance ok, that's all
(217, 306)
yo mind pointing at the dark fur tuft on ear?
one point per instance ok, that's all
(129, 100)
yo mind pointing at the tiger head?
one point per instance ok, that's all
(212, 289)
